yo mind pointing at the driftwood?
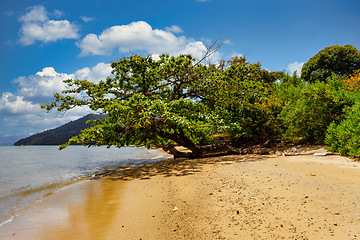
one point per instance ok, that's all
(294, 152)
(305, 153)
(255, 149)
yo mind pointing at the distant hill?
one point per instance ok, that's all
(9, 140)
(59, 135)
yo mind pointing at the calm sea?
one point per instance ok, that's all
(28, 174)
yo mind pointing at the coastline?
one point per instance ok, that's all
(229, 197)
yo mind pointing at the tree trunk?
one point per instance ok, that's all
(201, 151)
(218, 149)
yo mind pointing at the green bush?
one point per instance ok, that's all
(345, 136)
(309, 108)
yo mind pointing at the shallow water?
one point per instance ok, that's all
(29, 174)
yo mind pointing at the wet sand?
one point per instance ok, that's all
(230, 197)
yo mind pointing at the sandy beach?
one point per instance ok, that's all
(228, 197)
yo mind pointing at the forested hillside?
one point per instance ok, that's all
(59, 135)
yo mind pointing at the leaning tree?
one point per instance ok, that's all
(148, 103)
(170, 101)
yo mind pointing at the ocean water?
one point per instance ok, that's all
(29, 174)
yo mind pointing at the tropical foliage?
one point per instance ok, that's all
(344, 136)
(308, 109)
(339, 60)
(210, 109)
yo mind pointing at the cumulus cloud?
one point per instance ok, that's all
(23, 107)
(41, 86)
(295, 66)
(138, 36)
(94, 74)
(11, 104)
(36, 26)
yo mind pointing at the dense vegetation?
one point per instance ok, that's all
(214, 109)
(59, 135)
(338, 60)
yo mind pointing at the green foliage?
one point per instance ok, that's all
(178, 100)
(140, 121)
(174, 99)
(239, 95)
(339, 60)
(344, 137)
(148, 102)
(309, 108)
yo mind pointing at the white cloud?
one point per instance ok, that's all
(36, 14)
(94, 74)
(23, 107)
(196, 49)
(38, 27)
(174, 29)
(87, 19)
(41, 86)
(138, 36)
(295, 66)
(16, 105)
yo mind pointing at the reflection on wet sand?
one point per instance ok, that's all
(85, 210)
(91, 214)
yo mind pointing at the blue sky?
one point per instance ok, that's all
(44, 42)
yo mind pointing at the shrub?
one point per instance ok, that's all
(345, 136)
(309, 109)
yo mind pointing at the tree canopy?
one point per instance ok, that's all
(173, 100)
(217, 108)
(339, 60)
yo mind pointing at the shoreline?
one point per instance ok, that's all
(229, 197)
(20, 194)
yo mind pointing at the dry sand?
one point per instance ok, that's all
(230, 197)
